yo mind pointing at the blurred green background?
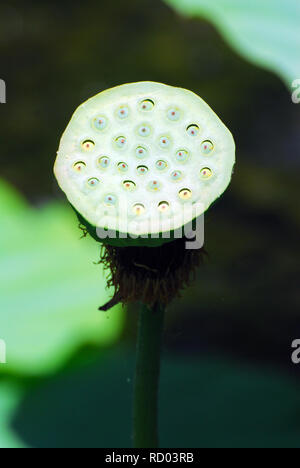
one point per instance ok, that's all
(227, 376)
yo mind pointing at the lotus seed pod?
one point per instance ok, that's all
(143, 159)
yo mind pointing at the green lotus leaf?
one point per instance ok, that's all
(50, 289)
(264, 32)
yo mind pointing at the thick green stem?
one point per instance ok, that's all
(145, 417)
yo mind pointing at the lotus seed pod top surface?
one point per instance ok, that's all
(144, 158)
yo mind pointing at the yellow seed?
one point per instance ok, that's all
(129, 185)
(88, 145)
(138, 209)
(79, 166)
(206, 173)
(185, 194)
(163, 207)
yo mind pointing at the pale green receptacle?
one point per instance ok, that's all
(143, 159)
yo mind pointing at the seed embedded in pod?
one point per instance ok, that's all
(87, 145)
(79, 166)
(110, 200)
(141, 152)
(161, 165)
(164, 142)
(207, 146)
(123, 167)
(176, 175)
(206, 173)
(154, 185)
(120, 142)
(182, 156)
(147, 105)
(123, 112)
(93, 182)
(142, 170)
(174, 114)
(185, 194)
(144, 130)
(100, 123)
(193, 130)
(163, 207)
(104, 162)
(129, 185)
(138, 209)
